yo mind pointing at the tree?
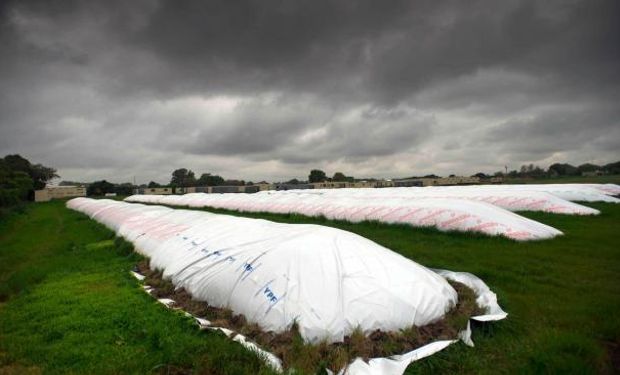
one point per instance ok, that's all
(317, 175)
(480, 175)
(563, 169)
(183, 178)
(17, 163)
(207, 179)
(234, 183)
(125, 188)
(41, 175)
(99, 188)
(294, 181)
(340, 177)
(153, 184)
(15, 186)
(18, 179)
(612, 168)
(72, 183)
(587, 167)
(537, 171)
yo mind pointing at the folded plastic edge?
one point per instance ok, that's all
(396, 364)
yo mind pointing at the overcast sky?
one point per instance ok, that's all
(271, 89)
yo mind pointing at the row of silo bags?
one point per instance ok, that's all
(442, 213)
(568, 192)
(571, 192)
(331, 282)
(480, 208)
(551, 198)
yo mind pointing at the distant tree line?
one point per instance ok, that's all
(184, 177)
(103, 187)
(317, 175)
(19, 178)
(180, 178)
(557, 169)
(527, 171)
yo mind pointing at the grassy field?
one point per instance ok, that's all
(70, 305)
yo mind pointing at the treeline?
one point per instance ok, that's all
(184, 177)
(19, 178)
(181, 177)
(317, 175)
(555, 170)
(103, 187)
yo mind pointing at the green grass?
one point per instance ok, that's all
(70, 305)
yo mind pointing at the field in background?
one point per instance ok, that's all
(610, 179)
(70, 305)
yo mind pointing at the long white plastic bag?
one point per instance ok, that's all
(442, 213)
(166, 235)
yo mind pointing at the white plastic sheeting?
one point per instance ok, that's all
(609, 189)
(442, 213)
(398, 363)
(395, 364)
(512, 200)
(570, 192)
(328, 280)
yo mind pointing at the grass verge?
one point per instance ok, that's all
(69, 305)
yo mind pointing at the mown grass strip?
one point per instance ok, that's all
(70, 306)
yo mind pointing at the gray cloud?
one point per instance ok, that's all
(267, 89)
(558, 129)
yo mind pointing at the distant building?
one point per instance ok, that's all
(59, 192)
(293, 186)
(592, 173)
(155, 191)
(409, 182)
(262, 186)
(438, 181)
(384, 183)
(224, 189)
(337, 185)
(330, 185)
(184, 190)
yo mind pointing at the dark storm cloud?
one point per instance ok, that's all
(558, 129)
(281, 130)
(381, 88)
